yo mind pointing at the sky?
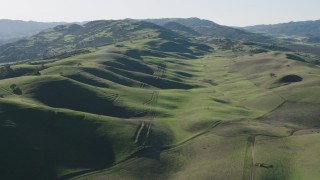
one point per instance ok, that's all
(225, 12)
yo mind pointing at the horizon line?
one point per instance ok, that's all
(82, 21)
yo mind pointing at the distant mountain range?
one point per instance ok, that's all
(20, 40)
(12, 30)
(71, 39)
(208, 28)
(68, 38)
(309, 29)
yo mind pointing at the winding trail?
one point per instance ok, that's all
(143, 151)
(252, 158)
(149, 104)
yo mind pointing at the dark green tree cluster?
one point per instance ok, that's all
(15, 89)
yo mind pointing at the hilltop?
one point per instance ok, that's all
(209, 28)
(13, 30)
(308, 29)
(76, 39)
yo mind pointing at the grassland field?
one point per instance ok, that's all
(126, 111)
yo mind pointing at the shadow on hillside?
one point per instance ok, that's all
(129, 64)
(35, 144)
(66, 94)
(104, 74)
(137, 54)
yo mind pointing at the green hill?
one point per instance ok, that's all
(301, 28)
(209, 28)
(181, 29)
(146, 102)
(308, 29)
(67, 40)
(13, 30)
(71, 39)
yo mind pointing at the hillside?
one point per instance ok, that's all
(13, 30)
(130, 99)
(67, 40)
(309, 29)
(209, 28)
(179, 28)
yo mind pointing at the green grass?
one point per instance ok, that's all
(136, 110)
(207, 157)
(292, 158)
(44, 143)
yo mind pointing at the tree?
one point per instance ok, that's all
(8, 69)
(15, 89)
(42, 66)
(272, 75)
(13, 86)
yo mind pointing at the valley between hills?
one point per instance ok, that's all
(162, 99)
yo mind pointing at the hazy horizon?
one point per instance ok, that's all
(154, 18)
(227, 12)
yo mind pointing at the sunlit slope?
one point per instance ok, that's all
(251, 107)
(151, 109)
(89, 93)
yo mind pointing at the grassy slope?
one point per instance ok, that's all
(241, 93)
(127, 97)
(43, 142)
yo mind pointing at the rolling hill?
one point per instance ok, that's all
(76, 39)
(13, 30)
(129, 99)
(291, 28)
(174, 26)
(308, 29)
(209, 28)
